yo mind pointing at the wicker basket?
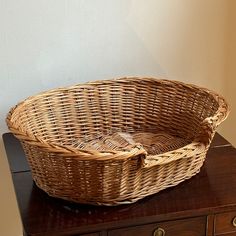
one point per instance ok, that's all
(116, 141)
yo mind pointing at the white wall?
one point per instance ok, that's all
(50, 43)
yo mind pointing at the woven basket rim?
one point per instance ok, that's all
(64, 150)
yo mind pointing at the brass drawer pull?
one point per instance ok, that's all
(234, 221)
(161, 232)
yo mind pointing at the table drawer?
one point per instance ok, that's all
(91, 234)
(229, 234)
(186, 227)
(225, 223)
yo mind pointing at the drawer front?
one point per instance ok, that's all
(225, 223)
(91, 234)
(187, 227)
(229, 234)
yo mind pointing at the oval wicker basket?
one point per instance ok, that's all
(116, 141)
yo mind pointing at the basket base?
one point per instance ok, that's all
(153, 143)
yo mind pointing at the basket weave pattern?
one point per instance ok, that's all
(116, 141)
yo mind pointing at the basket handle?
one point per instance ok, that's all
(190, 150)
(201, 142)
(208, 125)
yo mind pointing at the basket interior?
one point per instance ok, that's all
(112, 115)
(153, 143)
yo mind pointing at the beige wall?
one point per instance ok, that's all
(185, 37)
(51, 43)
(229, 89)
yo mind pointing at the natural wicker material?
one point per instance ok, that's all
(116, 141)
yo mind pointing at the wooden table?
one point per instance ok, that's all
(202, 205)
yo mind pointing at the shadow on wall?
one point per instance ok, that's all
(189, 38)
(230, 74)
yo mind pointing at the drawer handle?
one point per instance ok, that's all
(234, 221)
(159, 232)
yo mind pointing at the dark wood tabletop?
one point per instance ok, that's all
(213, 189)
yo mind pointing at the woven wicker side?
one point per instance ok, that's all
(82, 181)
(124, 105)
(70, 137)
